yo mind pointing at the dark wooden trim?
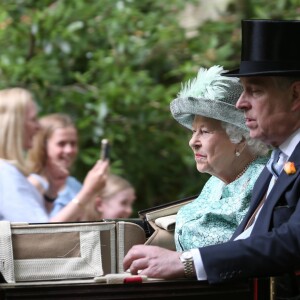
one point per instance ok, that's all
(183, 289)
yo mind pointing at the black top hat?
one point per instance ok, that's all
(269, 48)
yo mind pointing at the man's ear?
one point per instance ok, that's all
(296, 96)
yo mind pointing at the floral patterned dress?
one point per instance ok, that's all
(213, 217)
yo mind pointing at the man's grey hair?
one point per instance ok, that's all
(285, 81)
(237, 135)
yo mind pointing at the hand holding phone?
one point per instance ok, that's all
(104, 154)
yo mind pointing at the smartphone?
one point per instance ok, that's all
(105, 147)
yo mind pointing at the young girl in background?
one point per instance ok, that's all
(115, 201)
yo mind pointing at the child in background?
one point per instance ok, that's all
(114, 202)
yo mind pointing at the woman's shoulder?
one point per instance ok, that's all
(72, 187)
(213, 186)
(7, 167)
(255, 168)
(40, 180)
(259, 163)
(6, 164)
(262, 160)
(72, 181)
(252, 172)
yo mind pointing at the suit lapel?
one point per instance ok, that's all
(259, 190)
(283, 182)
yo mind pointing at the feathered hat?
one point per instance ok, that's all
(210, 95)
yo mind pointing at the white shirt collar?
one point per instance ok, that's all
(289, 145)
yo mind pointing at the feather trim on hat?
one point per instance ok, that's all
(208, 84)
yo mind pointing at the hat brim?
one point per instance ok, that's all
(239, 73)
(184, 111)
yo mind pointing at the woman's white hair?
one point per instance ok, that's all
(237, 135)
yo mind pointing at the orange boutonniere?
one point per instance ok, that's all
(289, 168)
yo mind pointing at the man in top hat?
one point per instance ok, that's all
(267, 243)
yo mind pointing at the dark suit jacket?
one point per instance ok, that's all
(274, 245)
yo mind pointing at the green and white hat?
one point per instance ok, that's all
(209, 95)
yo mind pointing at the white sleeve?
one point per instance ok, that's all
(201, 274)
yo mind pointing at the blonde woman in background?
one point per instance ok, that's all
(20, 201)
(115, 201)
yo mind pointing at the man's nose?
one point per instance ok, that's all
(241, 103)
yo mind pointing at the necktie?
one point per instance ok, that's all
(275, 164)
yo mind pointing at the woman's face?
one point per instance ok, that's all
(118, 206)
(62, 146)
(213, 150)
(31, 125)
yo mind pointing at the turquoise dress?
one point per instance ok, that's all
(213, 217)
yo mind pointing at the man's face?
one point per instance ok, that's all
(268, 109)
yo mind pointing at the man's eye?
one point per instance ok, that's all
(255, 91)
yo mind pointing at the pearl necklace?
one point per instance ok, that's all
(245, 168)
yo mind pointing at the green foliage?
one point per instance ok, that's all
(114, 66)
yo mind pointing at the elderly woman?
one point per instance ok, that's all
(20, 201)
(222, 147)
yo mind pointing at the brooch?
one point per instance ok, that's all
(289, 168)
